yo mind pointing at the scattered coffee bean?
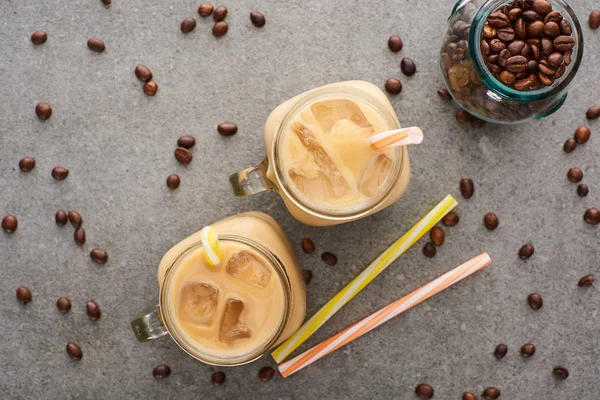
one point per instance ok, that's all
(535, 301)
(582, 190)
(161, 371)
(450, 219)
(10, 224)
(220, 13)
(308, 246)
(227, 128)
(429, 250)
(173, 181)
(60, 217)
(491, 393)
(60, 173)
(408, 67)
(463, 116)
(444, 94)
(220, 28)
(500, 351)
(96, 45)
(329, 258)
(63, 304)
(490, 221)
(23, 295)
(188, 25)
(106, 2)
(74, 351)
(43, 111)
(592, 216)
(582, 134)
(308, 275)
(424, 391)
(186, 142)
(477, 123)
(586, 281)
(79, 236)
(143, 73)
(467, 188)
(593, 112)
(75, 218)
(437, 236)
(218, 378)
(39, 37)
(469, 396)
(595, 19)
(393, 86)
(570, 145)
(27, 164)
(527, 350)
(151, 88)
(266, 374)
(257, 19)
(575, 175)
(183, 155)
(560, 373)
(395, 43)
(99, 256)
(93, 310)
(526, 251)
(205, 9)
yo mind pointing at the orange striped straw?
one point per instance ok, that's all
(385, 314)
(397, 137)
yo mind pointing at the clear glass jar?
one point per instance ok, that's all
(476, 89)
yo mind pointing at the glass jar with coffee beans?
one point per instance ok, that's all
(511, 61)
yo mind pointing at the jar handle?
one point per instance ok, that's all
(251, 180)
(147, 324)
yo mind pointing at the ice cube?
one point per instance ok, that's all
(346, 128)
(198, 303)
(317, 188)
(328, 112)
(244, 266)
(377, 172)
(231, 326)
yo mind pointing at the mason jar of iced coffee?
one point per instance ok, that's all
(320, 159)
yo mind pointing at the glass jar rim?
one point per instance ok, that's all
(196, 352)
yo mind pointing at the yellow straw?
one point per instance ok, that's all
(364, 278)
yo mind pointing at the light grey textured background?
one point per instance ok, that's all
(118, 145)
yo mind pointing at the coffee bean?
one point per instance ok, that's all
(395, 43)
(429, 250)
(477, 123)
(63, 304)
(10, 224)
(27, 164)
(218, 378)
(535, 29)
(161, 371)
(150, 88)
(560, 373)
(469, 396)
(75, 218)
(423, 390)
(186, 142)
(467, 188)
(536, 53)
(565, 27)
(575, 175)
(205, 9)
(183, 155)
(535, 301)
(507, 77)
(541, 7)
(593, 112)
(490, 221)
(106, 2)
(437, 235)
(506, 34)
(143, 73)
(532, 67)
(450, 219)
(531, 16)
(497, 45)
(60, 173)
(551, 29)
(564, 43)
(592, 216)
(491, 393)
(74, 351)
(485, 48)
(514, 13)
(582, 190)
(489, 32)
(308, 275)
(39, 37)
(96, 45)
(444, 94)
(408, 66)
(79, 236)
(526, 251)
(516, 64)
(546, 69)
(516, 47)
(582, 134)
(393, 86)
(99, 256)
(227, 128)
(93, 310)
(570, 145)
(545, 79)
(220, 28)
(520, 29)
(188, 25)
(495, 58)
(43, 111)
(560, 71)
(266, 374)
(60, 217)
(257, 19)
(329, 258)
(498, 20)
(500, 351)
(522, 84)
(220, 13)
(504, 57)
(173, 181)
(23, 295)
(547, 46)
(462, 116)
(595, 19)
(526, 53)
(308, 246)
(527, 350)
(586, 281)
(555, 59)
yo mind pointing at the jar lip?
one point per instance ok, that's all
(507, 92)
(241, 359)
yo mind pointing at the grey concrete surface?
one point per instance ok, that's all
(118, 145)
